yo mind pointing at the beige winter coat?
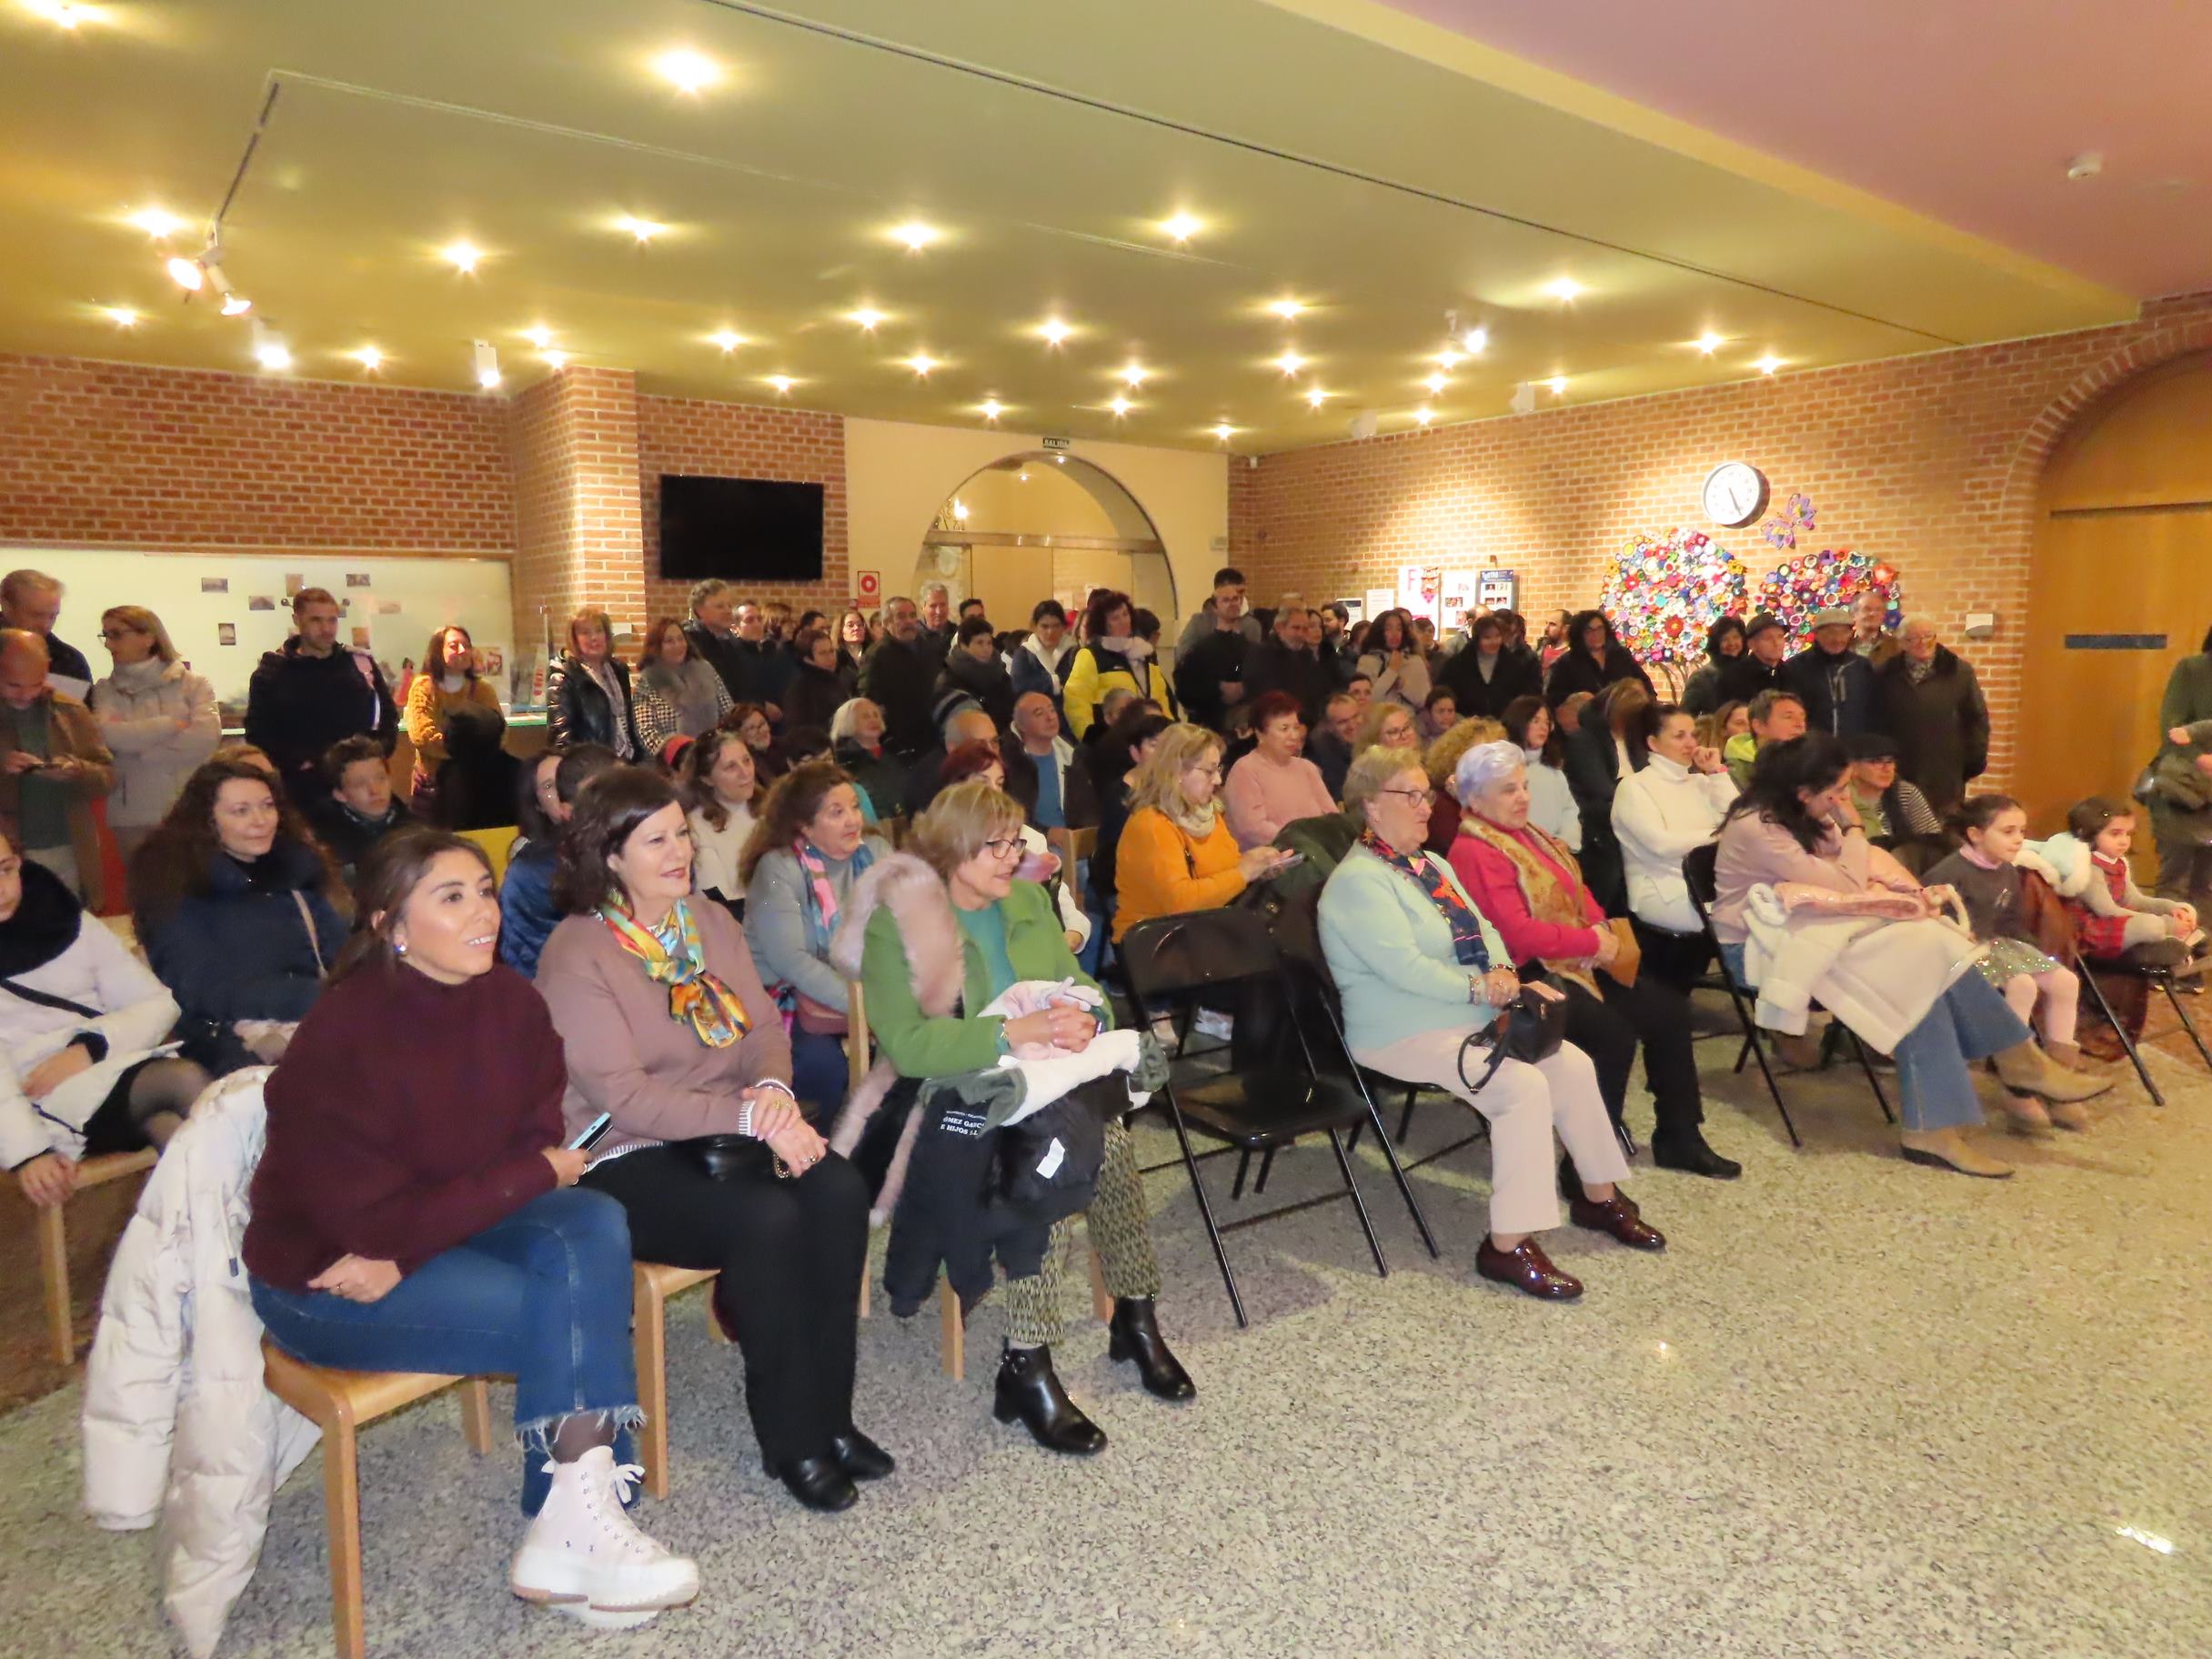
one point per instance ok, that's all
(138, 708)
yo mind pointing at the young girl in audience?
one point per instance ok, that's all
(1985, 874)
(2116, 919)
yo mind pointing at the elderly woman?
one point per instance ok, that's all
(1275, 783)
(669, 1031)
(587, 695)
(940, 933)
(1421, 971)
(679, 695)
(156, 717)
(1532, 889)
(1176, 852)
(1387, 725)
(797, 872)
(1796, 823)
(856, 739)
(1660, 814)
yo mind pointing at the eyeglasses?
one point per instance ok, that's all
(1213, 772)
(118, 633)
(1004, 847)
(1426, 797)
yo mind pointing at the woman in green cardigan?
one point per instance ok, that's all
(945, 927)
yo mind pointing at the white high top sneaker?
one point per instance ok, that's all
(583, 1556)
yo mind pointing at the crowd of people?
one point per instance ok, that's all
(649, 1017)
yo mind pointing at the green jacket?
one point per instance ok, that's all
(2177, 786)
(921, 1046)
(1325, 839)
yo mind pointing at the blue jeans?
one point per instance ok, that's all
(819, 1071)
(543, 1296)
(1969, 1021)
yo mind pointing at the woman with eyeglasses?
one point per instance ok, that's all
(155, 716)
(1177, 852)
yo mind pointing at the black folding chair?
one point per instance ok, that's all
(2086, 969)
(1263, 1101)
(1698, 871)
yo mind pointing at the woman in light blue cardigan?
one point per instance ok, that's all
(1420, 970)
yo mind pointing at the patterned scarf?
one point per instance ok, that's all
(1539, 858)
(1466, 927)
(673, 956)
(818, 902)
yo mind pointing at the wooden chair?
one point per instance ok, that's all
(893, 829)
(496, 845)
(340, 1402)
(651, 1284)
(54, 1245)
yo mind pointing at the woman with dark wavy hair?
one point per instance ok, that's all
(1114, 654)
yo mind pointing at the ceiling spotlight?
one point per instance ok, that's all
(185, 273)
(556, 360)
(122, 317)
(1475, 340)
(1436, 383)
(156, 221)
(1558, 383)
(687, 71)
(915, 234)
(462, 256)
(868, 317)
(368, 357)
(1424, 414)
(782, 383)
(1286, 308)
(921, 363)
(1316, 396)
(1224, 431)
(63, 14)
(1767, 364)
(1447, 358)
(1054, 331)
(1710, 343)
(1136, 373)
(269, 350)
(1121, 406)
(1565, 289)
(645, 230)
(540, 336)
(992, 408)
(1290, 362)
(1182, 227)
(959, 510)
(487, 365)
(729, 340)
(235, 304)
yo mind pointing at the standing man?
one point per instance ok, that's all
(767, 667)
(1287, 663)
(1759, 669)
(1928, 699)
(1835, 682)
(1226, 599)
(32, 601)
(1210, 666)
(937, 624)
(714, 641)
(1054, 794)
(52, 767)
(898, 676)
(311, 693)
(1870, 635)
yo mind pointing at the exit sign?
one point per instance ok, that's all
(1056, 443)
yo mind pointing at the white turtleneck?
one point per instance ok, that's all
(1659, 814)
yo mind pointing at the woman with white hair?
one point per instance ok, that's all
(157, 717)
(1531, 886)
(1420, 972)
(857, 744)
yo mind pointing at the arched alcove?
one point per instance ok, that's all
(1036, 523)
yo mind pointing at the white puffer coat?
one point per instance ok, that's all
(179, 1426)
(138, 706)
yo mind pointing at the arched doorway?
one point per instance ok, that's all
(1036, 524)
(2120, 589)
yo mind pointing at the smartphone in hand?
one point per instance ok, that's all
(594, 1132)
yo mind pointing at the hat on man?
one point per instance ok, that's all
(1834, 615)
(1870, 746)
(1760, 623)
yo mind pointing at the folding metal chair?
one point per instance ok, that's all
(2088, 969)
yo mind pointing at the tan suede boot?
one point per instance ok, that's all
(2069, 1055)
(1946, 1149)
(2024, 1069)
(2070, 1114)
(2026, 1115)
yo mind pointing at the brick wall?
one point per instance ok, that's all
(1931, 462)
(573, 453)
(124, 455)
(687, 434)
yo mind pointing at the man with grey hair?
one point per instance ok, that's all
(52, 767)
(964, 723)
(712, 632)
(899, 675)
(937, 620)
(32, 601)
(1928, 699)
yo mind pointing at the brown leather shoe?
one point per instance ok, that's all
(1528, 1270)
(1619, 1217)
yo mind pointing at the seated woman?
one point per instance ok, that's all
(1439, 712)
(1659, 814)
(233, 903)
(1531, 888)
(1891, 808)
(1387, 725)
(857, 734)
(1275, 783)
(1723, 727)
(722, 794)
(678, 695)
(1176, 852)
(528, 914)
(670, 1030)
(1796, 823)
(1440, 760)
(949, 913)
(391, 1231)
(1420, 972)
(797, 873)
(749, 721)
(84, 1067)
(1529, 726)
(1039, 863)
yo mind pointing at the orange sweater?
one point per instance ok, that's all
(1161, 869)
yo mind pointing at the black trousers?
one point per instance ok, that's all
(790, 1252)
(1676, 959)
(1650, 1012)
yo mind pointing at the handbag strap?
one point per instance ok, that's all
(314, 940)
(1496, 1044)
(46, 998)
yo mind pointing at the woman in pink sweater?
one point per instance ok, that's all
(1274, 784)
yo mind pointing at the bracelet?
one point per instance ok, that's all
(745, 1118)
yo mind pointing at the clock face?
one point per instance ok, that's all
(1735, 493)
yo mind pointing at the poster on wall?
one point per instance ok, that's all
(1380, 599)
(1420, 589)
(1354, 606)
(1496, 589)
(1458, 596)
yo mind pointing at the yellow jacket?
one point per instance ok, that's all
(1161, 869)
(1092, 673)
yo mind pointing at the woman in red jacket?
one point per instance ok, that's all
(415, 1210)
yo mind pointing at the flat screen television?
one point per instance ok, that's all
(740, 528)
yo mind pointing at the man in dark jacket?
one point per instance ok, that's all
(359, 808)
(1484, 674)
(1210, 668)
(312, 693)
(937, 622)
(1593, 660)
(714, 641)
(1930, 702)
(1330, 747)
(975, 670)
(1765, 645)
(767, 667)
(899, 677)
(1286, 663)
(32, 601)
(1835, 682)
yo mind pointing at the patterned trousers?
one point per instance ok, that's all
(1121, 1234)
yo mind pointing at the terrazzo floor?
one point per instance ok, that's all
(1857, 1408)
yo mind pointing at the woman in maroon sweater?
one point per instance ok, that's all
(415, 1210)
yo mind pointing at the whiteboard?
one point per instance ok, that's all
(403, 600)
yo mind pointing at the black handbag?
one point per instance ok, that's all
(1530, 1028)
(1046, 1165)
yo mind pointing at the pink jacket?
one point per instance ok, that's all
(1753, 849)
(1494, 885)
(1260, 797)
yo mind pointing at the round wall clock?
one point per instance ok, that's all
(1735, 494)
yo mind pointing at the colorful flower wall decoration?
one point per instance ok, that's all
(1798, 587)
(1666, 591)
(1781, 529)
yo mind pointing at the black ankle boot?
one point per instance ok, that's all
(1133, 1333)
(860, 1457)
(817, 1482)
(1028, 1389)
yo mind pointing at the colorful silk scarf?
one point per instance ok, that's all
(673, 956)
(1466, 927)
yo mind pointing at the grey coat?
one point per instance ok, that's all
(775, 923)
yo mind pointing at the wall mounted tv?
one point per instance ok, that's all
(740, 528)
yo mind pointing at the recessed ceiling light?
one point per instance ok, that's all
(868, 317)
(915, 234)
(1053, 330)
(921, 363)
(687, 71)
(1767, 364)
(269, 350)
(156, 221)
(1424, 414)
(185, 273)
(1022, 476)
(1121, 406)
(1224, 431)
(1290, 362)
(1447, 358)
(1567, 287)
(1136, 373)
(1316, 396)
(1181, 226)
(992, 409)
(729, 340)
(556, 360)
(782, 383)
(122, 317)
(1059, 460)
(1436, 383)
(64, 14)
(1558, 383)
(1710, 343)
(1286, 308)
(540, 336)
(461, 255)
(1475, 340)
(368, 357)
(645, 230)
